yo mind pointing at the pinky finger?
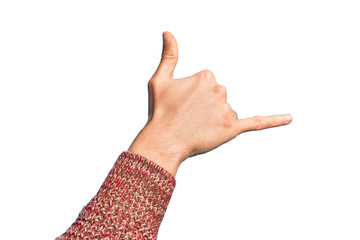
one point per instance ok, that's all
(262, 122)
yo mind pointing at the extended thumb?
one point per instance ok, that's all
(169, 56)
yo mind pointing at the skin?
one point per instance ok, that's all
(189, 116)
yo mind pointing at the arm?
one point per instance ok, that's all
(187, 117)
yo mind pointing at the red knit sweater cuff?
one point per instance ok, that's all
(130, 204)
(150, 167)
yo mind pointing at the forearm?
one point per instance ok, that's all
(130, 204)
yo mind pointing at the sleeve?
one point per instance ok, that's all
(130, 204)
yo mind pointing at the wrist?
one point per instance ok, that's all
(158, 147)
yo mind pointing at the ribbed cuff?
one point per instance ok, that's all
(144, 163)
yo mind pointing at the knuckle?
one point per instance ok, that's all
(227, 124)
(227, 120)
(167, 54)
(221, 90)
(257, 122)
(227, 108)
(206, 73)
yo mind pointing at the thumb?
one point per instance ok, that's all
(169, 57)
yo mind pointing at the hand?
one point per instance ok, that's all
(189, 116)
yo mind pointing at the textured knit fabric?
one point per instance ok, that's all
(130, 204)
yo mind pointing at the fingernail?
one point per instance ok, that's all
(166, 38)
(287, 117)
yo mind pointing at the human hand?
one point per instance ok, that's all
(189, 116)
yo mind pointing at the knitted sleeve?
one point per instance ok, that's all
(130, 204)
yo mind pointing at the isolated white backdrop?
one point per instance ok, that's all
(73, 96)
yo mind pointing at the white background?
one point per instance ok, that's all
(73, 96)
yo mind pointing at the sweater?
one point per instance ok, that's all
(130, 204)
